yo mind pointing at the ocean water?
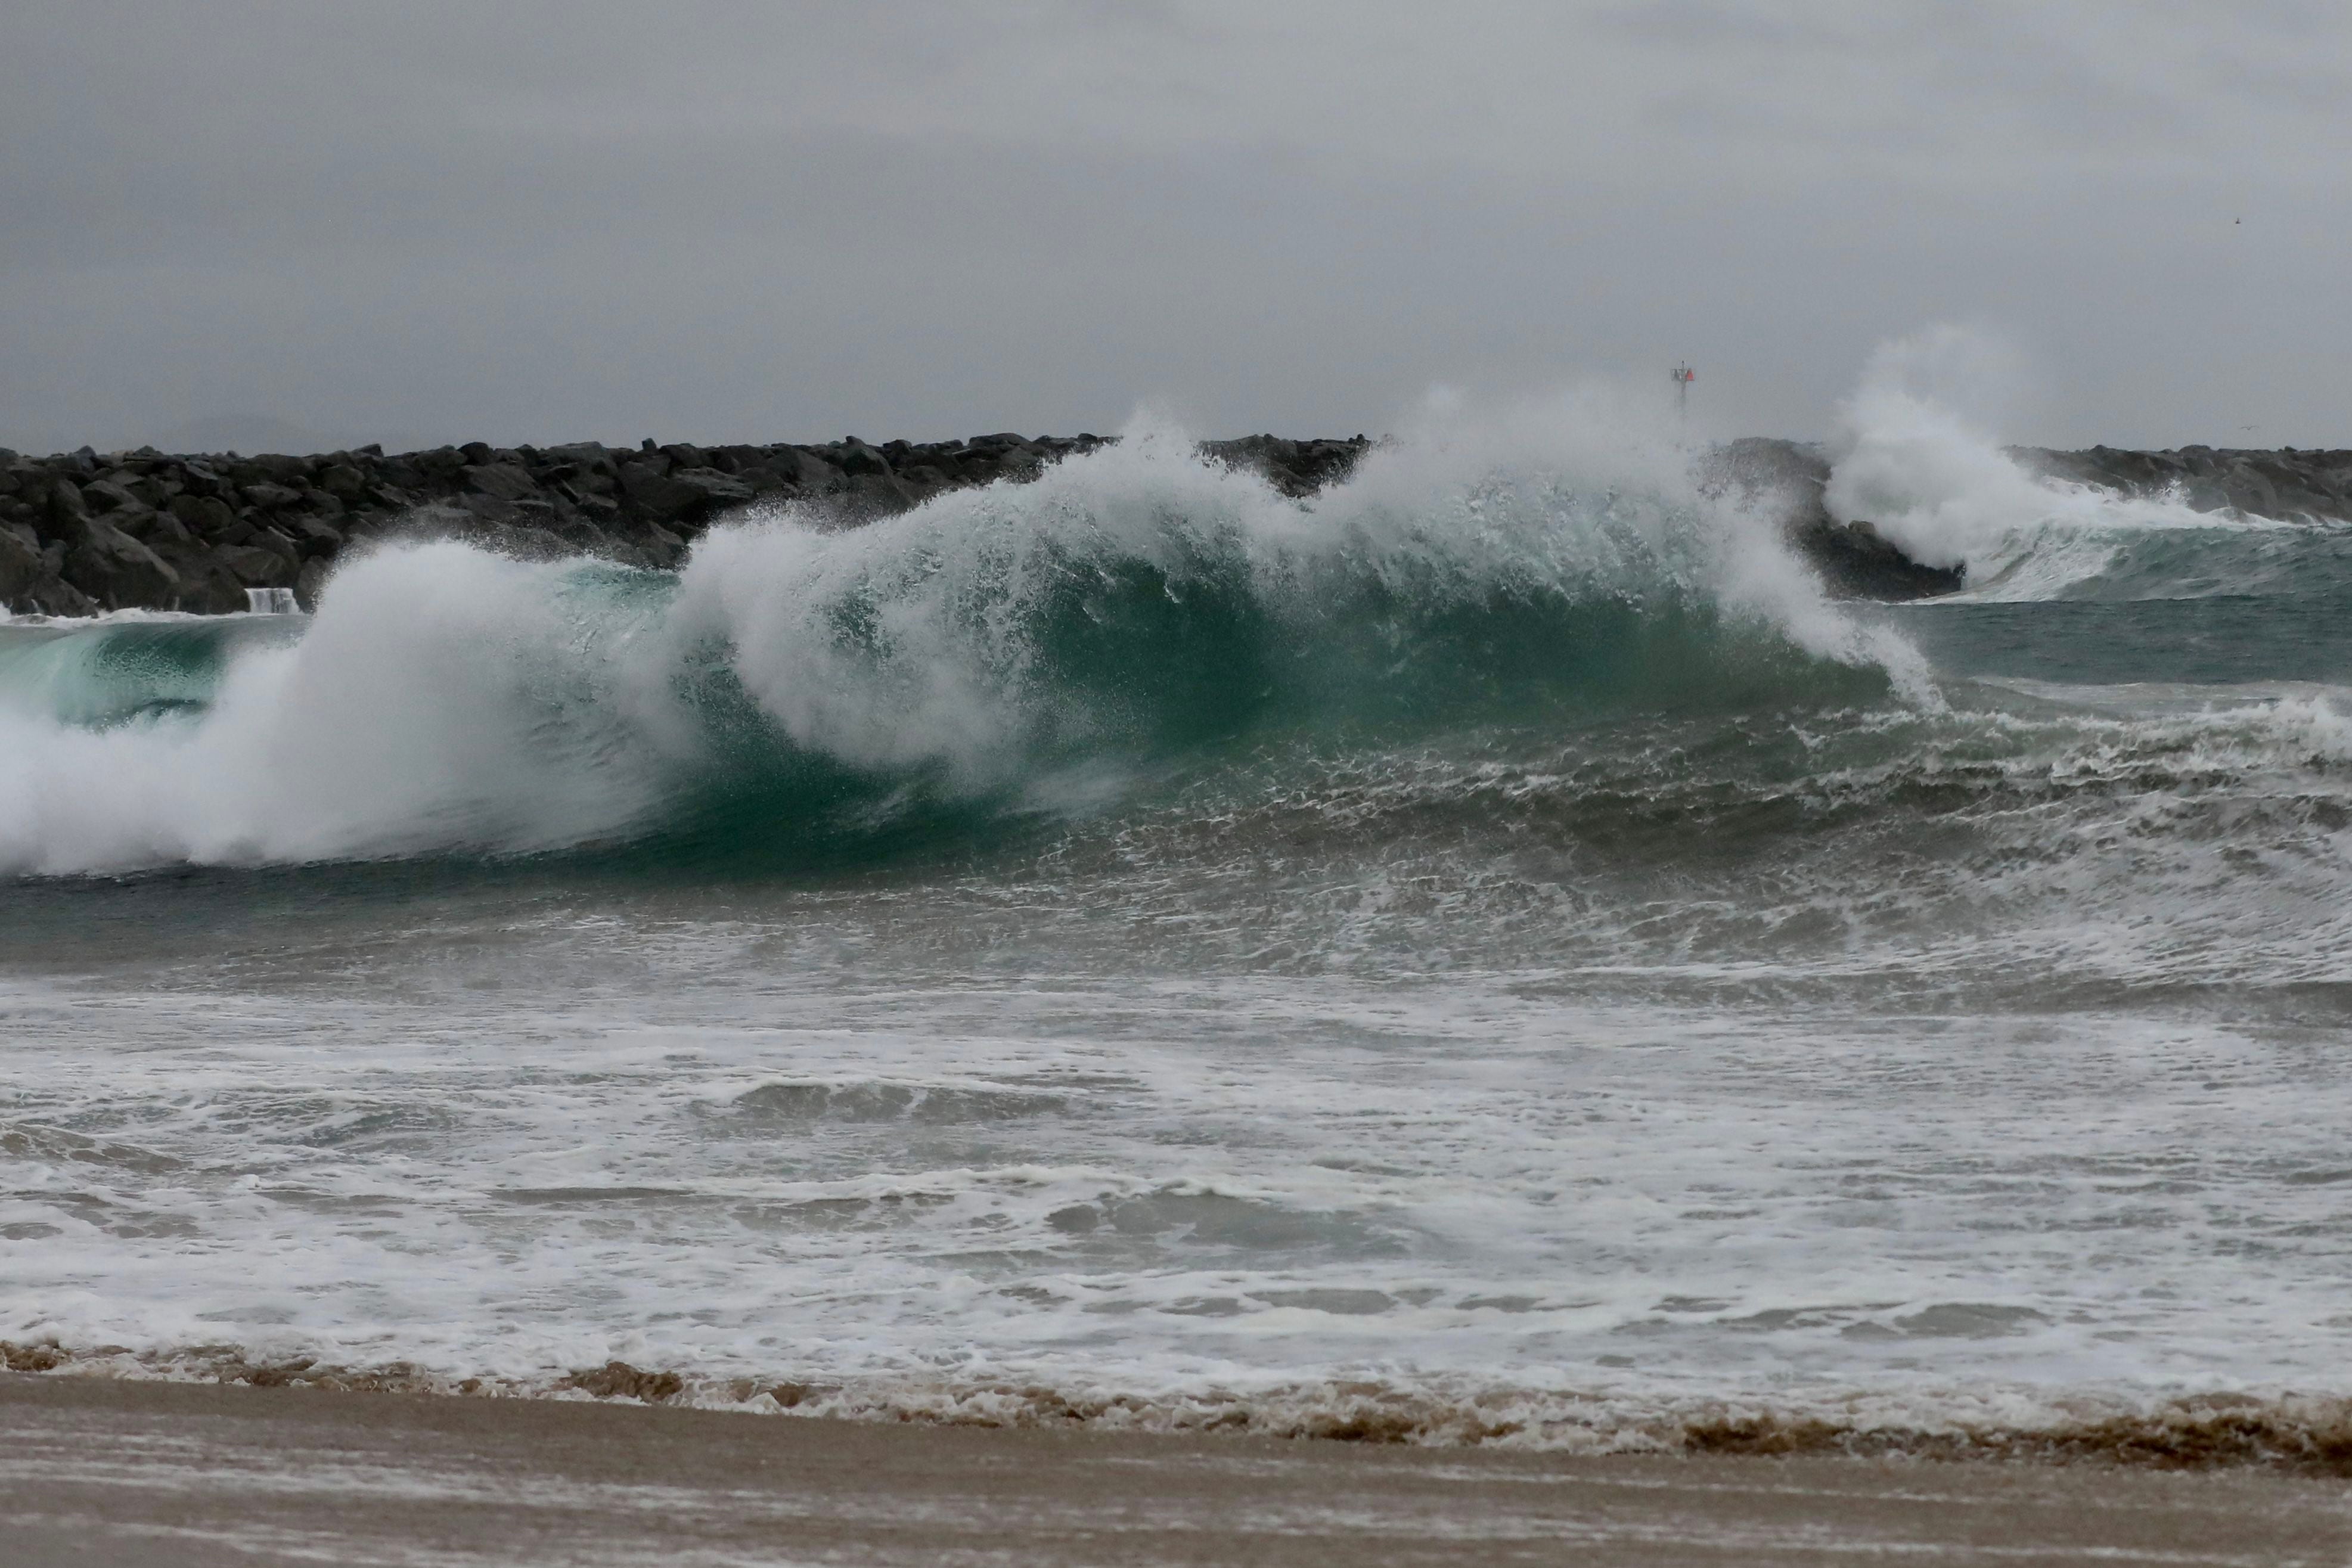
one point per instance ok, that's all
(1486, 954)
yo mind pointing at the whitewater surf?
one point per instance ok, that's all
(1486, 952)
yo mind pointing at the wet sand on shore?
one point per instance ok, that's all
(103, 1472)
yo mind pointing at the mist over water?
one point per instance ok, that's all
(1492, 935)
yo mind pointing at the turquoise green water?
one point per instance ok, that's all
(1494, 933)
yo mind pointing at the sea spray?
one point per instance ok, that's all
(1485, 954)
(1912, 461)
(1135, 604)
(449, 699)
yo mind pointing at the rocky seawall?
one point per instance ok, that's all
(81, 532)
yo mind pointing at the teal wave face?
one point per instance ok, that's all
(804, 696)
(1154, 661)
(1148, 690)
(123, 672)
(1128, 657)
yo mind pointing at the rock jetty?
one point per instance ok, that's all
(81, 532)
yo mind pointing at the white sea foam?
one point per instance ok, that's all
(1908, 459)
(1290, 1115)
(445, 698)
(1806, 1069)
(1470, 1201)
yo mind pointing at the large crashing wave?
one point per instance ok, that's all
(799, 682)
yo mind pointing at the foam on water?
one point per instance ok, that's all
(1268, 1199)
(1133, 601)
(1485, 956)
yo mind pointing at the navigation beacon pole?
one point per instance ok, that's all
(1684, 375)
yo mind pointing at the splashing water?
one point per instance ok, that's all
(1133, 604)
(1484, 955)
(1910, 462)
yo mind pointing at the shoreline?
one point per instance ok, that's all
(104, 1471)
(2216, 1431)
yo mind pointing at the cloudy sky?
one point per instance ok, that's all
(414, 221)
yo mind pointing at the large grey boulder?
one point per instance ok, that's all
(342, 481)
(207, 586)
(312, 536)
(505, 481)
(111, 495)
(157, 530)
(809, 470)
(67, 511)
(686, 496)
(205, 516)
(267, 493)
(312, 584)
(868, 496)
(58, 597)
(257, 566)
(22, 569)
(587, 453)
(117, 571)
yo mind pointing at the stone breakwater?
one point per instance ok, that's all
(82, 533)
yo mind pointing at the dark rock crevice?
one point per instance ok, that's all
(1786, 479)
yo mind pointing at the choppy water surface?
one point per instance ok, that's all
(1489, 945)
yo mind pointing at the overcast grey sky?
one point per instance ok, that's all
(527, 220)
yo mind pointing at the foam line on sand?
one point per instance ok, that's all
(104, 1473)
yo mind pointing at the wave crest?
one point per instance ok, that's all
(800, 682)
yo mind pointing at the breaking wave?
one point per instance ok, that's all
(1484, 956)
(802, 690)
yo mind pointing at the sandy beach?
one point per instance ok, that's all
(105, 1472)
